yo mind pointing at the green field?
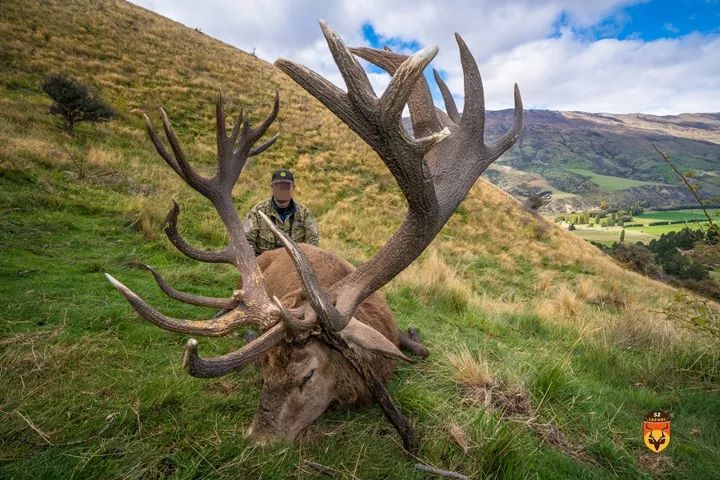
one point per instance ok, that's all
(673, 215)
(657, 230)
(645, 233)
(609, 183)
(609, 236)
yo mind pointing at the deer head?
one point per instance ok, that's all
(434, 168)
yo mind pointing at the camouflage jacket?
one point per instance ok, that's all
(298, 225)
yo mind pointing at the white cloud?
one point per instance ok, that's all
(510, 39)
(663, 77)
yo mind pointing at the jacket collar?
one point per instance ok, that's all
(292, 207)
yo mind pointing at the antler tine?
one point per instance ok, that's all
(189, 175)
(209, 256)
(217, 327)
(262, 128)
(319, 300)
(169, 159)
(511, 136)
(403, 83)
(264, 146)
(473, 116)
(199, 300)
(239, 122)
(237, 360)
(450, 106)
(360, 90)
(320, 87)
(420, 103)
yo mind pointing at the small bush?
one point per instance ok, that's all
(636, 257)
(74, 103)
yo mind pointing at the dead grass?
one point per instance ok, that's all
(470, 370)
(458, 435)
(640, 328)
(585, 290)
(545, 281)
(562, 306)
(432, 277)
(503, 304)
(149, 216)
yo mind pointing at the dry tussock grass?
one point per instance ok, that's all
(102, 157)
(585, 290)
(562, 307)
(545, 281)
(432, 276)
(503, 304)
(639, 328)
(470, 371)
(149, 215)
(458, 435)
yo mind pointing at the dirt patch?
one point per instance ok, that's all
(656, 465)
(514, 404)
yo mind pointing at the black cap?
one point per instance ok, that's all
(282, 175)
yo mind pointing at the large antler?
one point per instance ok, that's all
(434, 170)
(250, 305)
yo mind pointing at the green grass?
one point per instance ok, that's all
(88, 390)
(673, 215)
(613, 235)
(658, 230)
(609, 183)
(645, 232)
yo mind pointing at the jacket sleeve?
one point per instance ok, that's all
(311, 230)
(252, 229)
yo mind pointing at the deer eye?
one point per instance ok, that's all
(308, 376)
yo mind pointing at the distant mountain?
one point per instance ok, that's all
(584, 158)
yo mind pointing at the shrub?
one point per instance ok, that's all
(636, 257)
(74, 103)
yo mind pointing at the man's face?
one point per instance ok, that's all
(282, 192)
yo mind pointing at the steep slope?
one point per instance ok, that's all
(546, 355)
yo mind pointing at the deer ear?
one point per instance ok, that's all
(358, 334)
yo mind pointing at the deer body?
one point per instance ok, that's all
(302, 379)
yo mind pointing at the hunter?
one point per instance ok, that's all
(290, 216)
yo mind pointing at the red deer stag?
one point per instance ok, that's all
(327, 336)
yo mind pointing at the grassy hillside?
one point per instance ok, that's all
(545, 354)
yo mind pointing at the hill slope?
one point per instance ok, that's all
(584, 158)
(545, 354)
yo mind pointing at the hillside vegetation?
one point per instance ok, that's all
(545, 355)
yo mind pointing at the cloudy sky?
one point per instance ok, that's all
(620, 56)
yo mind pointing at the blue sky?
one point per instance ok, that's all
(667, 19)
(615, 56)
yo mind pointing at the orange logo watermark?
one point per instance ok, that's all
(656, 431)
